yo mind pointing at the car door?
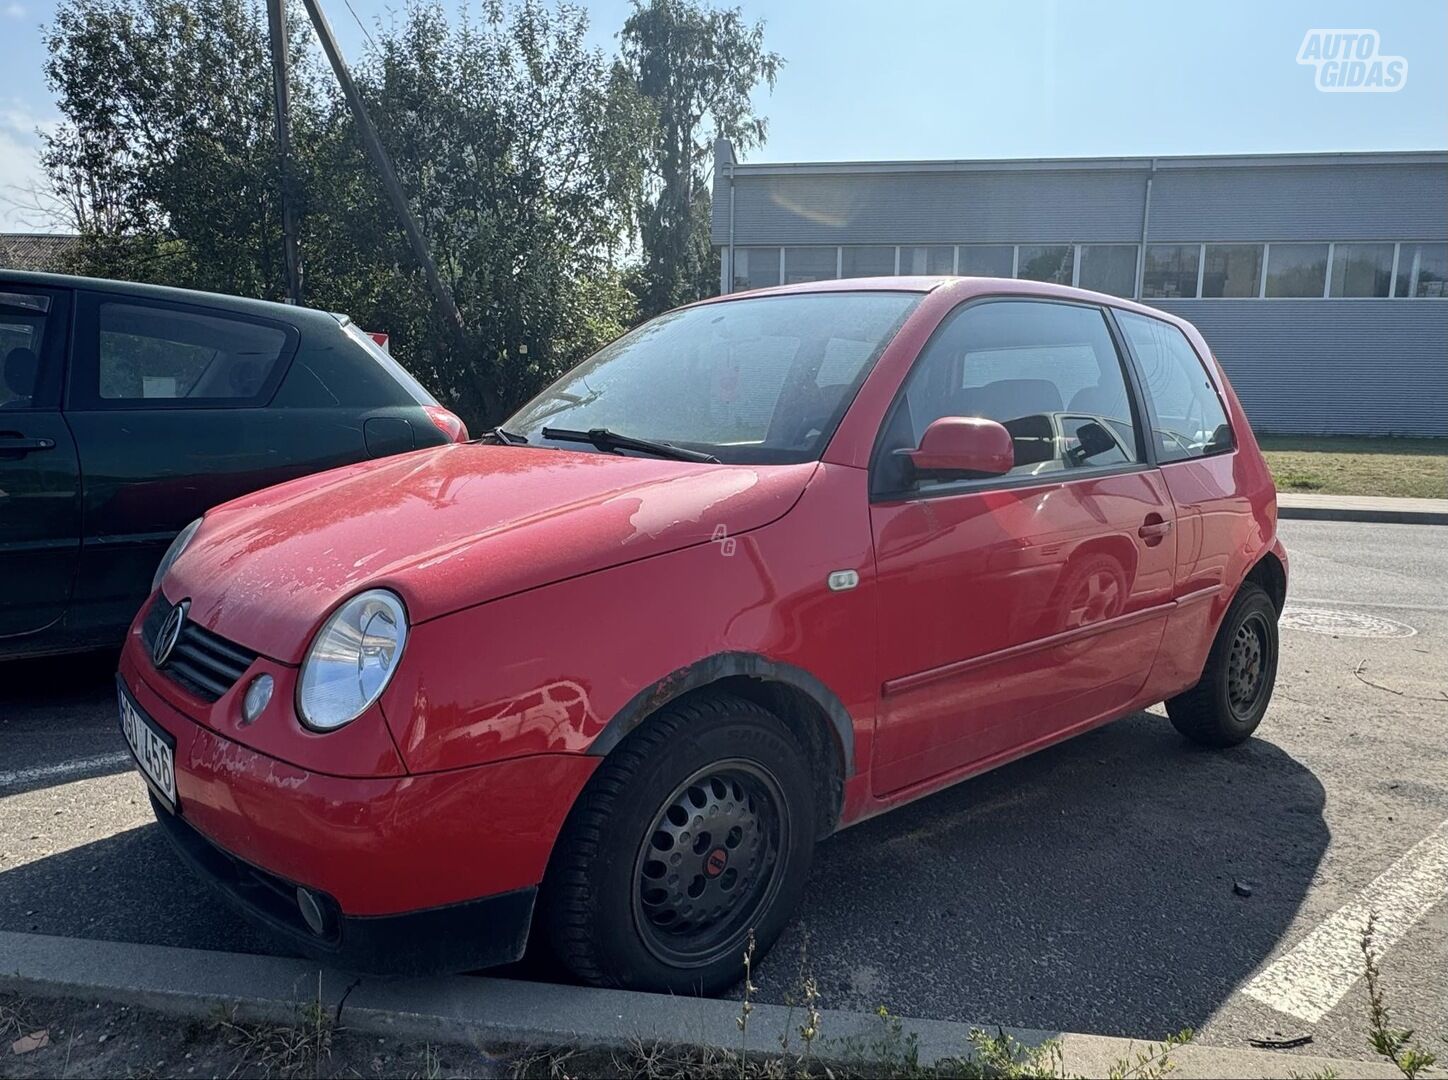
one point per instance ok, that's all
(39, 470)
(1194, 446)
(167, 403)
(1015, 608)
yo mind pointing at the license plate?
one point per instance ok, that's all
(153, 749)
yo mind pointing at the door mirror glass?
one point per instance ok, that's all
(1091, 439)
(962, 447)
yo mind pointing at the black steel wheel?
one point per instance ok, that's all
(1247, 664)
(710, 861)
(696, 830)
(1228, 703)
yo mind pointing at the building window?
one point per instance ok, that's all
(1171, 271)
(988, 260)
(1362, 270)
(1233, 270)
(927, 260)
(866, 261)
(1296, 269)
(1046, 262)
(756, 267)
(1109, 268)
(809, 264)
(1422, 270)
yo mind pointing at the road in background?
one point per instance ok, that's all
(1123, 883)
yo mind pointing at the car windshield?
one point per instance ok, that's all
(763, 380)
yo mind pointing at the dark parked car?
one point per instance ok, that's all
(128, 410)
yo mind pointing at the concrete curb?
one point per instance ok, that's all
(480, 1010)
(1362, 508)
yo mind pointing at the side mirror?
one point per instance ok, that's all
(958, 447)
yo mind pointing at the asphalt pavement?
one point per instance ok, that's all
(1123, 883)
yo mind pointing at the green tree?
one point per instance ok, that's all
(698, 67)
(166, 162)
(521, 149)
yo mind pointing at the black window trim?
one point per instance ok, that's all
(1145, 399)
(82, 389)
(1135, 398)
(55, 349)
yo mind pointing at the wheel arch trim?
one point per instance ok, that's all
(712, 669)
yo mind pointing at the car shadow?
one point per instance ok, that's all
(1090, 887)
(57, 681)
(1095, 886)
(129, 886)
(58, 721)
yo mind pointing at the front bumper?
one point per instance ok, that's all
(414, 873)
(459, 937)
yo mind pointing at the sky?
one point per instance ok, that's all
(977, 78)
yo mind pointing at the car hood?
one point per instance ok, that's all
(451, 527)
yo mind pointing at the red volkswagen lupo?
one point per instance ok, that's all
(761, 569)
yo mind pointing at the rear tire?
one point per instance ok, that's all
(696, 830)
(1228, 703)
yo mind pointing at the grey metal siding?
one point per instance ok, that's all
(1300, 366)
(1331, 367)
(932, 207)
(1297, 202)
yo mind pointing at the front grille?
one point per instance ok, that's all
(204, 663)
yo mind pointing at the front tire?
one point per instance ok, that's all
(696, 830)
(1228, 703)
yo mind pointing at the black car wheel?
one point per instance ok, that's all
(1228, 703)
(695, 831)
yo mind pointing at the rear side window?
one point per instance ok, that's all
(23, 318)
(1048, 372)
(149, 355)
(1190, 420)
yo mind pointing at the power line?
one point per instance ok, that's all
(359, 23)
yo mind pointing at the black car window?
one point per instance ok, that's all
(1048, 372)
(23, 337)
(1190, 420)
(149, 354)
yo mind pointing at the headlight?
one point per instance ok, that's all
(352, 659)
(174, 552)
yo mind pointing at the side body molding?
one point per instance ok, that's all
(723, 665)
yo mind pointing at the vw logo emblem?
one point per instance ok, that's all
(170, 634)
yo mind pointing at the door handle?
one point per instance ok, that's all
(19, 444)
(1154, 529)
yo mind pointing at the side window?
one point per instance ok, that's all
(1189, 415)
(1048, 372)
(157, 355)
(24, 337)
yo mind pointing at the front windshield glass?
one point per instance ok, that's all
(764, 380)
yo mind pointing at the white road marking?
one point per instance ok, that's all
(1308, 980)
(1324, 601)
(20, 777)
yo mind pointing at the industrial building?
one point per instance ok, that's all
(1321, 280)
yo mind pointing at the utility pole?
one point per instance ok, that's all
(382, 163)
(277, 18)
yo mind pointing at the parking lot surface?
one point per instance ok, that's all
(1123, 883)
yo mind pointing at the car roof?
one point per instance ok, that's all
(967, 286)
(242, 305)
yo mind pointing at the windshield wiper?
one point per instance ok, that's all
(610, 440)
(508, 438)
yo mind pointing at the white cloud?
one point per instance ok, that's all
(14, 10)
(21, 176)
